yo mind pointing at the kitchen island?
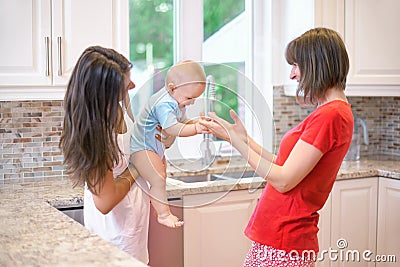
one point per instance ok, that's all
(34, 233)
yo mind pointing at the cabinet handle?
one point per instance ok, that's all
(59, 56)
(47, 44)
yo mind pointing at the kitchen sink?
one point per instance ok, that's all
(226, 176)
(195, 178)
(236, 175)
(74, 212)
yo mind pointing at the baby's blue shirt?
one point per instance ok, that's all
(162, 109)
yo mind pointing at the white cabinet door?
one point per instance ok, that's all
(369, 30)
(25, 30)
(214, 226)
(354, 217)
(373, 46)
(42, 40)
(79, 24)
(388, 221)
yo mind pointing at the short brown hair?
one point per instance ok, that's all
(322, 59)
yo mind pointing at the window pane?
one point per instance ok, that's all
(219, 13)
(151, 46)
(227, 81)
(225, 50)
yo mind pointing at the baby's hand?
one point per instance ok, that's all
(200, 129)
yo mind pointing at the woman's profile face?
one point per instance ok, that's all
(129, 84)
(295, 72)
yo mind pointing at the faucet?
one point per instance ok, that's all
(209, 94)
(354, 150)
(364, 127)
(207, 147)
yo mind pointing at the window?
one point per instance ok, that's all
(151, 46)
(224, 51)
(216, 33)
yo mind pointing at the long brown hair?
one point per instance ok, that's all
(323, 62)
(89, 137)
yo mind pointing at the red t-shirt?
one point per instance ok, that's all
(288, 221)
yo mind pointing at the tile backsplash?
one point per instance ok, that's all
(30, 132)
(382, 115)
(29, 136)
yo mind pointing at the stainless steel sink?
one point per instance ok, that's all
(236, 175)
(215, 177)
(74, 212)
(195, 178)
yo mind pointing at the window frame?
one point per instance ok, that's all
(188, 41)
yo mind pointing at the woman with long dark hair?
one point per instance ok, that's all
(95, 142)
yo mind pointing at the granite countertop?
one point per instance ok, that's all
(34, 233)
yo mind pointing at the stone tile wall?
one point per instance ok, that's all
(29, 136)
(382, 115)
(30, 132)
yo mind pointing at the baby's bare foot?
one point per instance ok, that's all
(169, 220)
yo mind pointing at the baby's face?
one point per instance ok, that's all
(186, 94)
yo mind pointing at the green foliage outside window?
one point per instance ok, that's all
(218, 13)
(151, 22)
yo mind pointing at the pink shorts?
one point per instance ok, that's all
(265, 256)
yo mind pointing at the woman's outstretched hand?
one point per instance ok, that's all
(238, 126)
(223, 129)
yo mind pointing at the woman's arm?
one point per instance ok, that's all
(300, 162)
(260, 150)
(113, 191)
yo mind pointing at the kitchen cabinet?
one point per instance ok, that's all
(42, 39)
(354, 218)
(368, 28)
(214, 226)
(348, 223)
(388, 220)
(363, 212)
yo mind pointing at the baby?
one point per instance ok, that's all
(185, 81)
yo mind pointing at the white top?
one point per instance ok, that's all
(127, 224)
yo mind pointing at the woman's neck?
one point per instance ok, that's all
(331, 95)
